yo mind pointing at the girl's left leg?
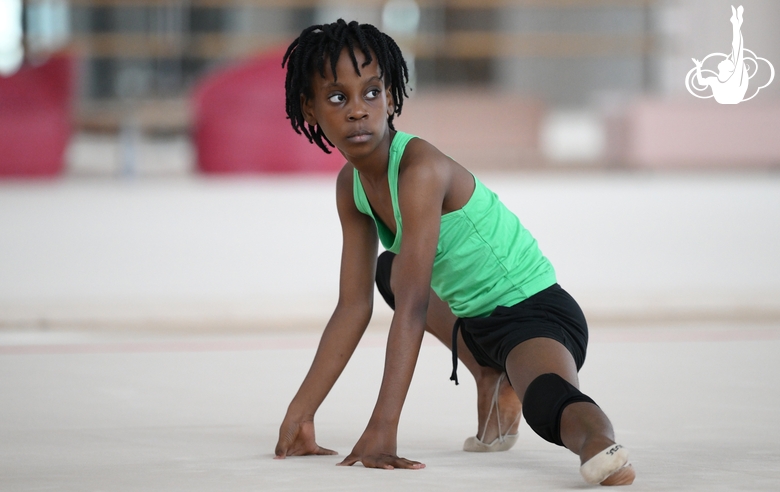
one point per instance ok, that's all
(498, 415)
(583, 426)
(498, 408)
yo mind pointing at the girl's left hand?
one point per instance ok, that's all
(297, 439)
(376, 449)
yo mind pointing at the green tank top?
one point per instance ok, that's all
(485, 258)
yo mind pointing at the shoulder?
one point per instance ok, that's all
(428, 171)
(418, 150)
(345, 197)
(345, 177)
(423, 162)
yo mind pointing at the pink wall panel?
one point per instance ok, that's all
(35, 118)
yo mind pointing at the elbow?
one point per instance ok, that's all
(413, 308)
(361, 310)
(420, 306)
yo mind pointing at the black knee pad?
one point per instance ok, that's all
(384, 265)
(543, 404)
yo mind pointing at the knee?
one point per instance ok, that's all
(384, 266)
(543, 404)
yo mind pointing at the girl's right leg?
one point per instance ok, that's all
(583, 427)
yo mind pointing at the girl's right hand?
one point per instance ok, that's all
(297, 439)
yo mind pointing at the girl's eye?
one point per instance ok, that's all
(336, 98)
(372, 94)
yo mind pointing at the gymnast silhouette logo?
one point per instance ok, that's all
(735, 70)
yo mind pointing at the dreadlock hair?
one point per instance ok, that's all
(319, 43)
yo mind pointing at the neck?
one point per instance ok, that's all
(373, 166)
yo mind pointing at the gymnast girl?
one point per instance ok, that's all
(458, 264)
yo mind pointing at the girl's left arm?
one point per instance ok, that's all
(422, 188)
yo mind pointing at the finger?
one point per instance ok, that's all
(286, 438)
(297, 449)
(325, 451)
(408, 464)
(377, 464)
(285, 447)
(280, 452)
(349, 461)
(386, 462)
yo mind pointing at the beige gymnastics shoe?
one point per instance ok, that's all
(609, 467)
(503, 442)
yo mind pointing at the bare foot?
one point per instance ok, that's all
(624, 476)
(505, 415)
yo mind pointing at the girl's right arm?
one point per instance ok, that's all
(345, 328)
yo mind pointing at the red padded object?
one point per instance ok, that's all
(240, 123)
(35, 118)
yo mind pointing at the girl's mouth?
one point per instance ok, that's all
(359, 136)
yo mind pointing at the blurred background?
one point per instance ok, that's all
(148, 176)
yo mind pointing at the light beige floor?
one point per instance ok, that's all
(697, 405)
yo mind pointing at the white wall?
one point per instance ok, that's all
(266, 250)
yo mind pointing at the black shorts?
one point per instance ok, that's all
(551, 313)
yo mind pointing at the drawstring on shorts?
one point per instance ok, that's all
(455, 328)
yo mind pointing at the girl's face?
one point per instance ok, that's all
(350, 109)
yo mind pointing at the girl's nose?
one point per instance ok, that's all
(357, 111)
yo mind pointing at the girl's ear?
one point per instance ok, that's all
(307, 108)
(390, 102)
